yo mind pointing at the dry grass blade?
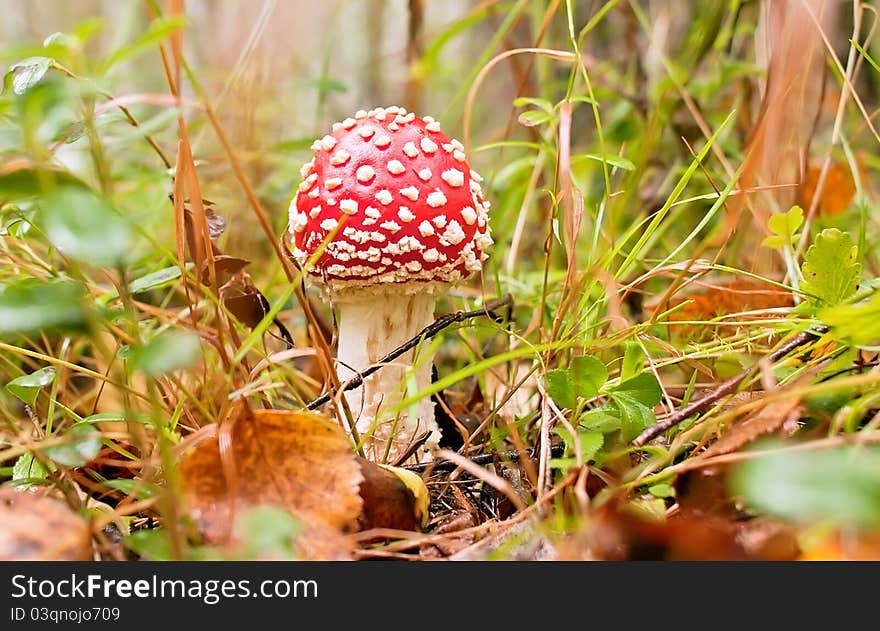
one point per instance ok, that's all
(560, 55)
(790, 47)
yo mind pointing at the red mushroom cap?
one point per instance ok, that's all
(389, 198)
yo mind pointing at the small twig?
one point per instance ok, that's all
(492, 479)
(724, 389)
(427, 333)
(513, 455)
(411, 450)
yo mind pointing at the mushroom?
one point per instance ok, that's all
(387, 218)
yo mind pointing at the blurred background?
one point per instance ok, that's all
(279, 72)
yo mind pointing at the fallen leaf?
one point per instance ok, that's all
(765, 421)
(303, 463)
(34, 527)
(723, 299)
(299, 461)
(392, 498)
(766, 539)
(838, 192)
(837, 546)
(618, 533)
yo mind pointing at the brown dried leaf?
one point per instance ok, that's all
(388, 502)
(766, 420)
(701, 488)
(226, 268)
(216, 223)
(300, 461)
(619, 533)
(38, 528)
(245, 302)
(740, 295)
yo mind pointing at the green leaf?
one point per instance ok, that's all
(588, 376)
(154, 280)
(170, 350)
(15, 220)
(775, 241)
(581, 98)
(59, 39)
(635, 417)
(26, 387)
(28, 72)
(644, 389)
(160, 29)
(81, 444)
(508, 175)
(661, 490)
(85, 30)
(831, 273)
(633, 359)
(840, 485)
(137, 488)
(27, 467)
(533, 118)
(590, 443)
(604, 420)
(543, 104)
(560, 387)
(268, 532)
(85, 227)
(30, 307)
(151, 545)
(784, 227)
(29, 182)
(860, 324)
(827, 403)
(101, 417)
(612, 159)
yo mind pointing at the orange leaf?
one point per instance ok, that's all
(300, 461)
(739, 295)
(837, 546)
(838, 191)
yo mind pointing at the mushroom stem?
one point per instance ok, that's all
(370, 327)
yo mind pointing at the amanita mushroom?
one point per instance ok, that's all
(387, 218)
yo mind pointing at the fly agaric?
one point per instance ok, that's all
(387, 218)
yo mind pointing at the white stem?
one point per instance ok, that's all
(370, 327)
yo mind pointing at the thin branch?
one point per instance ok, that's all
(512, 455)
(724, 389)
(427, 333)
